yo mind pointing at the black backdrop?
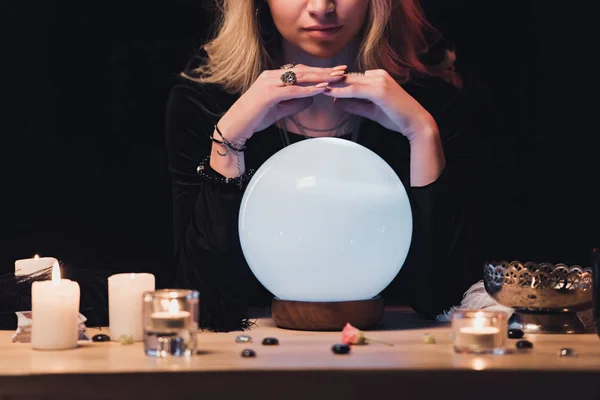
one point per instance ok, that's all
(85, 85)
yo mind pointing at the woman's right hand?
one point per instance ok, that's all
(269, 100)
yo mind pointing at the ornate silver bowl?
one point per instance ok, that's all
(546, 297)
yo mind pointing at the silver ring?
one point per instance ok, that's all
(362, 73)
(288, 66)
(288, 78)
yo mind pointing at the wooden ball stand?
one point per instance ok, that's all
(326, 315)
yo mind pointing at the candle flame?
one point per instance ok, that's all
(36, 256)
(174, 307)
(479, 320)
(55, 274)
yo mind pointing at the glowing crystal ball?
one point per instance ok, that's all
(325, 219)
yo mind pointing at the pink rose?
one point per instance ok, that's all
(351, 335)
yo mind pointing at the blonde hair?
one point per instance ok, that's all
(394, 36)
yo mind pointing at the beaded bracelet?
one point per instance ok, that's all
(214, 178)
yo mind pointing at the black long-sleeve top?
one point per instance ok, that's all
(442, 261)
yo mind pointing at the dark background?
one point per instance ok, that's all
(85, 85)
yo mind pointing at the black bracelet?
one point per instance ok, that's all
(227, 142)
(216, 178)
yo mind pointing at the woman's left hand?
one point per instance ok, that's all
(377, 96)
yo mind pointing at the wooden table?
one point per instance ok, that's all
(304, 367)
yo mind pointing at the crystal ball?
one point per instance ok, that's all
(325, 219)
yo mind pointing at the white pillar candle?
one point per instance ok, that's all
(125, 304)
(28, 266)
(55, 313)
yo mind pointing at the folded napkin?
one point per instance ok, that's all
(24, 321)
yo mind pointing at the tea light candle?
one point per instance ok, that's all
(479, 331)
(28, 266)
(55, 313)
(171, 320)
(484, 336)
(125, 303)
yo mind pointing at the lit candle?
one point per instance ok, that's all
(479, 335)
(28, 266)
(171, 320)
(55, 313)
(125, 304)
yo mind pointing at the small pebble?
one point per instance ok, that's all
(243, 339)
(566, 352)
(428, 338)
(515, 334)
(126, 339)
(100, 338)
(270, 341)
(248, 353)
(524, 344)
(340, 348)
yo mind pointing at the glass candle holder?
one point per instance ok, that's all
(170, 318)
(479, 332)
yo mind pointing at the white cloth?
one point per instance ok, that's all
(477, 298)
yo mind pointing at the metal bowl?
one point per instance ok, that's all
(546, 297)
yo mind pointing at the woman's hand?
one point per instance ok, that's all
(269, 100)
(377, 96)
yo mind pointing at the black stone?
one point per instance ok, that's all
(270, 341)
(524, 344)
(340, 348)
(248, 353)
(515, 334)
(100, 338)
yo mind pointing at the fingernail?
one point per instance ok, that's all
(340, 67)
(322, 85)
(337, 73)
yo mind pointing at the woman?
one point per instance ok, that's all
(281, 71)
